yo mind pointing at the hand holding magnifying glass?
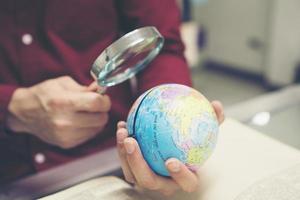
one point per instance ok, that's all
(64, 113)
(126, 57)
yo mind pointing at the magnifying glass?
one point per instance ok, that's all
(127, 56)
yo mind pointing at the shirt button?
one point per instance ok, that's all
(39, 158)
(27, 39)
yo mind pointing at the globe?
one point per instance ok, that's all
(173, 121)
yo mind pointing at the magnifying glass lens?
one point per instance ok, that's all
(127, 56)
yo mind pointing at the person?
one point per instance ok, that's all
(50, 113)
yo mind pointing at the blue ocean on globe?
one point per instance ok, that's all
(173, 121)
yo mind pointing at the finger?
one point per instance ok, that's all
(185, 178)
(90, 102)
(94, 87)
(144, 176)
(78, 137)
(218, 107)
(70, 84)
(121, 135)
(121, 124)
(89, 120)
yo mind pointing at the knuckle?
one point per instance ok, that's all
(58, 103)
(54, 103)
(102, 102)
(61, 125)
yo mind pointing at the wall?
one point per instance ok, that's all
(232, 25)
(284, 42)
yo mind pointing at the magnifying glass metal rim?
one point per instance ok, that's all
(103, 64)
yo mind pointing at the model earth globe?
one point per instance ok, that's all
(173, 121)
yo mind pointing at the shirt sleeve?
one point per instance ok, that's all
(6, 92)
(170, 65)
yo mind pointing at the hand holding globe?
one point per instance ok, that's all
(173, 130)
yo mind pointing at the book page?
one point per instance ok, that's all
(281, 186)
(110, 187)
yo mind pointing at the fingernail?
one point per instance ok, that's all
(173, 165)
(121, 124)
(129, 146)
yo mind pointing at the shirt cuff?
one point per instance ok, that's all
(6, 92)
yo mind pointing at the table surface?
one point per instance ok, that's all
(284, 109)
(243, 159)
(284, 125)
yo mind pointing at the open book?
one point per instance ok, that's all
(280, 186)
(109, 187)
(246, 165)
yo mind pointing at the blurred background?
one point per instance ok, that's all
(247, 55)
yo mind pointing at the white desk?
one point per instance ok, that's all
(243, 157)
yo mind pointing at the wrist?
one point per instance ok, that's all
(21, 99)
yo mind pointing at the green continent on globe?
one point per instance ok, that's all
(173, 121)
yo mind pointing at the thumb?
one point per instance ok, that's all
(93, 87)
(218, 107)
